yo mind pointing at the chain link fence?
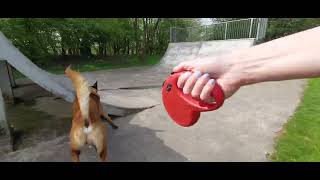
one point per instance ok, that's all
(237, 29)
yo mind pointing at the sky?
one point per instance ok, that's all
(206, 21)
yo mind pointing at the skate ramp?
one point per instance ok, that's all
(179, 52)
(120, 102)
(46, 80)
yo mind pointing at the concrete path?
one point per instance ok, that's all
(119, 103)
(243, 130)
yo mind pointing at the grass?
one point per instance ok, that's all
(101, 64)
(300, 139)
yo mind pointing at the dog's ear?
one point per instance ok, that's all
(95, 85)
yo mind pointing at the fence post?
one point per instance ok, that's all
(251, 28)
(5, 135)
(265, 27)
(225, 32)
(206, 35)
(258, 29)
(170, 34)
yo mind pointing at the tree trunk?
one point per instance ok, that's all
(153, 36)
(128, 47)
(63, 51)
(136, 28)
(145, 45)
(105, 50)
(100, 50)
(115, 49)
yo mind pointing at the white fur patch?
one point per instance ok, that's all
(87, 130)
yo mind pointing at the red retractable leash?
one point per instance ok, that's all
(184, 109)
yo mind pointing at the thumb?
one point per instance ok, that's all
(227, 88)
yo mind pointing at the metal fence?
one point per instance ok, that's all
(237, 29)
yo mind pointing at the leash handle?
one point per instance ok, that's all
(200, 105)
(183, 108)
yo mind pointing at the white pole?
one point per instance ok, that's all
(258, 29)
(225, 32)
(250, 27)
(170, 34)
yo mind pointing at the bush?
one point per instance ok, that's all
(279, 27)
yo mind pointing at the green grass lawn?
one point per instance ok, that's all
(300, 140)
(102, 64)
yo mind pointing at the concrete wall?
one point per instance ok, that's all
(5, 134)
(5, 81)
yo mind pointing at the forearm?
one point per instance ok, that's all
(292, 57)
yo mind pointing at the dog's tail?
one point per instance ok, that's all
(81, 87)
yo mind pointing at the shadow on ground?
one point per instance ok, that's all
(136, 143)
(42, 129)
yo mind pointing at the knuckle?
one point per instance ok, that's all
(195, 93)
(186, 89)
(203, 97)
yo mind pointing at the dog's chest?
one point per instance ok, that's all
(87, 130)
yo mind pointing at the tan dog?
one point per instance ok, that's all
(87, 126)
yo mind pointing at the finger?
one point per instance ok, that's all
(179, 67)
(182, 66)
(206, 91)
(201, 82)
(188, 86)
(183, 78)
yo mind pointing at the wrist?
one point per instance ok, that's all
(245, 71)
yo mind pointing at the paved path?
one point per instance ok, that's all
(243, 130)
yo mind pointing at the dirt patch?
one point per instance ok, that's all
(36, 115)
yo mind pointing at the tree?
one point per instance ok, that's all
(44, 38)
(278, 27)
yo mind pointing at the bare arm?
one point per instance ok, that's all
(291, 57)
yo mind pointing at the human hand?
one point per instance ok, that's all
(203, 73)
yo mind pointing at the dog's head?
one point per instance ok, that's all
(94, 93)
(94, 89)
(94, 101)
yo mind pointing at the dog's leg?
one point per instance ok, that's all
(101, 148)
(103, 154)
(77, 140)
(75, 148)
(98, 138)
(75, 155)
(109, 120)
(75, 151)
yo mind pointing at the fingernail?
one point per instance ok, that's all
(197, 74)
(205, 75)
(211, 81)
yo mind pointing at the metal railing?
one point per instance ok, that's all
(236, 29)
